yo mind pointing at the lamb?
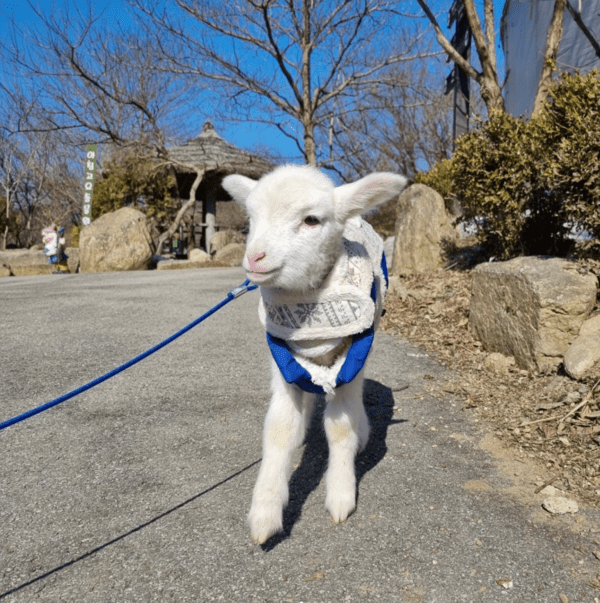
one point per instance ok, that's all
(322, 278)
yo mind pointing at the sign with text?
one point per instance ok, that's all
(91, 152)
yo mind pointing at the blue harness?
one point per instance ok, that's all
(296, 374)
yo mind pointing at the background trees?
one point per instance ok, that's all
(303, 67)
(77, 79)
(354, 85)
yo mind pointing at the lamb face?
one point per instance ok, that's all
(297, 218)
(295, 235)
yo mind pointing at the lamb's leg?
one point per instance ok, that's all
(347, 429)
(285, 427)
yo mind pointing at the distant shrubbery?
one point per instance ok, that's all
(130, 181)
(529, 183)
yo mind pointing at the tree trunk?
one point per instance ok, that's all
(552, 43)
(487, 78)
(5, 236)
(491, 92)
(310, 150)
(181, 213)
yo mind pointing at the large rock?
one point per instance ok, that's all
(591, 326)
(530, 308)
(199, 256)
(24, 262)
(388, 248)
(422, 229)
(116, 241)
(231, 254)
(582, 359)
(223, 238)
(72, 258)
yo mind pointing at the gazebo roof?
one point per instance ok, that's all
(211, 152)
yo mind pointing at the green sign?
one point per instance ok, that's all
(91, 152)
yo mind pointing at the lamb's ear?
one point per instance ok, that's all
(357, 197)
(239, 187)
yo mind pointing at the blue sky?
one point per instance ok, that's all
(115, 10)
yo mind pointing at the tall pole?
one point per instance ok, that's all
(458, 81)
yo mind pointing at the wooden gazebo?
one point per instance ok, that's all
(216, 158)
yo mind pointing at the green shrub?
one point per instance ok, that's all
(130, 181)
(528, 183)
(496, 170)
(570, 128)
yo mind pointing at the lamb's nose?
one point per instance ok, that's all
(255, 258)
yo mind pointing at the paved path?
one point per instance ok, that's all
(137, 490)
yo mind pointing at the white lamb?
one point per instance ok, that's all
(319, 267)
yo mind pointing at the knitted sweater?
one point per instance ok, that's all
(321, 339)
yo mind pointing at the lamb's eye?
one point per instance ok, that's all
(311, 221)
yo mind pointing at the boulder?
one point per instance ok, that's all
(116, 241)
(72, 258)
(582, 359)
(24, 262)
(531, 308)
(4, 270)
(388, 248)
(422, 229)
(223, 238)
(199, 256)
(178, 265)
(231, 254)
(591, 326)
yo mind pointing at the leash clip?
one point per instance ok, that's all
(243, 288)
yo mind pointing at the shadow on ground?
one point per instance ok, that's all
(131, 532)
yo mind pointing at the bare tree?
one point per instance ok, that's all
(407, 129)
(11, 177)
(99, 84)
(38, 185)
(484, 38)
(292, 64)
(552, 42)
(485, 42)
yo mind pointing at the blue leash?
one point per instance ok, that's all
(233, 294)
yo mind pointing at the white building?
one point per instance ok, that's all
(523, 30)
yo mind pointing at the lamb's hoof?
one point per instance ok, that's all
(340, 507)
(264, 525)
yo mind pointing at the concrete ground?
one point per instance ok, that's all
(137, 490)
